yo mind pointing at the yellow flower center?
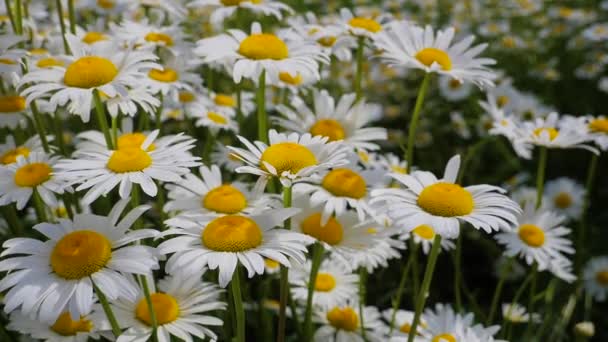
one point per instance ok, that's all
(405, 328)
(344, 183)
(263, 46)
(65, 326)
(165, 309)
(271, 263)
(225, 199)
(445, 337)
(93, 37)
(12, 103)
(232, 2)
(90, 72)
(32, 175)
(186, 96)
(532, 235)
(602, 277)
(129, 159)
(7, 61)
(553, 133)
(446, 199)
(563, 200)
(364, 23)
(331, 233)
(217, 118)
(363, 156)
(599, 125)
(157, 37)
(224, 100)
(343, 318)
(106, 4)
(49, 62)
(502, 101)
(133, 140)
(61, 212)
(79, 254)
(428, 56)
(398, 169)
(166, 75)
(11, 156)
(324, 282)
(455, 84)
(327, 41)
(328, 128)
(233, 233)
(288, 156)
(38, 51)
(424, 231)
(293, 80)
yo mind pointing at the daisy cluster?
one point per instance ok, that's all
(252, 170)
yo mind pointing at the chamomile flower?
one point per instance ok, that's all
(9, 151)
(383, 248)
(598, 129)
(29, 173)
(444, 324)
(539, 238)
(403, 324)
(424, 235)
(328, 36)
(225, 158)
(103, 67)
(126, 137)
(10, 55)
(261, 52)
(442, 204)
(516, 313)
(291, 158)
(100, 171)
(228, 103)
(411, 46)
(341, 323)
(182, 306)
(595, 276)
(565, 196)
(63, 330)
(136, 99)
(333, 286)
(344, 120)
(175, 75)
(13, 109)
(453, 89)
(360, 26)
(214, 120)
(224, 241)
(223, 9)
(57, 275)
(526, 195)
(147, 35)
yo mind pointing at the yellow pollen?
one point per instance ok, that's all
(217, 118)
(553, 133)
(263, 46)
(288, 156)
(599, 125)
(106, 4)
(32, 175)
(563, 200)
(428, 56)
(79, 254)
(343, 318)
(345, 183)
(38, 51)
(186, 96)
(11, 156)
(372, 231)
(502, 101)
(7, 61)
(166, 75)
(65, 326)
(232, 233)
(405, 328)
(165, 309)
(325, 282)
(602, 277)
(271, 263)
(363, 156)
(445, 337)
(398, 169)
(11, 103)
(129, 159)
(331, 233)
(224, 100)
(328, 128)
(133, 140)
(455, 84)
(49, 62)
(327, 41)
(293, 80)
(446, 199)
(90, 72)
(532, 235)
(61, 212)
(364, 23)
(424, 231)
(93, 37)
(225, 199)
(157, 37)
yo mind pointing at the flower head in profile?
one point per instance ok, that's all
(595, 276)
(63, 329)
(342, 323)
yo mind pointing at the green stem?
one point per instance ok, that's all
(284, 273)
(411, 137)
(59, 133)
(144, 285)
(239, 103)
(59, 6)
(540, 176)
(317, 257)
(209, 142)
(362, 295)
(294, 318)
(72, 16)
(158, 115)
(580, 240)
(399, 293)
(115, 130)
(518, 294)
(39, 206)
(498, 290)
(107, 310)
(134, 203)
(9, 11)
(426, 283)
(262, 116)
(359, 71)
(40, 127)
(18, 18)
(102, 120)
(10, 215)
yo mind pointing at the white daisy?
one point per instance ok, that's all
(565, 196)
(13, 109)
(223, 9)
(228, 103)
(176, 74)
(526, 195)
(598, 128)
(57, 275)
(360, 26)
(342, 324)
(147, 35)
(442, 204)
(10, 55)
(224, 241)
(453, 89)
(328, 36)
(444, 324)
(516, 313)
(410, 46)
(424, 235)
(214, 120)
(225, 158)
(402, 324)
(595, 276)
(9, 151)
(63, 330)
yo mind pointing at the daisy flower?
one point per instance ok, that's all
(223, 9)
(147, 35)
(598, 129)
(328, 36)
(126, 137)
(175, 75)
(453, 89)
(13, 109)
(333, 286)
(182, 306)
(595, 276)
(443, 204)
(359, 26)
(225, 158)
(565, 196)
(516, 313)
(10, 55)
(384, 247)
(224, 241)
(57, 275)
(103, 67)
(344, 120)
(228, 103)
(444, 324)
(424, 235)
(410, 46)
(100, 171)
(539, 238)
(214, 120)
(34, 172)
(63, 330)
(341, 323)
(9, 151)
(261, 52)
(291, 158)
(402, 324)
(136, 99)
